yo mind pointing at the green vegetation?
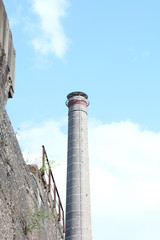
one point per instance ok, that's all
(3, 140)
(36, 220)
(47, 166)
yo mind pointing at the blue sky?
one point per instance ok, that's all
(110, 50)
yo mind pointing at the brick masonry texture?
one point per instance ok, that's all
(78, 212)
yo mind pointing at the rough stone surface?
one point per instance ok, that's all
(21, 193)
(7, 60)
(27, 211)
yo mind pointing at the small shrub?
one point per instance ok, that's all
(36, 220)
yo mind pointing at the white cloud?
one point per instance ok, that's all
(124, 169)
(49, 133)
(126, 159)
(31, 138)
(125, 182)
(50, 36)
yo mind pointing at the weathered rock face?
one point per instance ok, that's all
(27, 211)
(7, 60)
(21, 195)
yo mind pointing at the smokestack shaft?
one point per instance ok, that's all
(78, 213)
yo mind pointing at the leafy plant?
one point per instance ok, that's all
(47, 166)
(36, 220)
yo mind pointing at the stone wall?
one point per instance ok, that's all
(22, 195)
(7, 60)
(27, 211)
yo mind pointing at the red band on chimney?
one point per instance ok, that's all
(76, 101)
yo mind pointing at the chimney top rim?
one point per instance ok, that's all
(77, 93)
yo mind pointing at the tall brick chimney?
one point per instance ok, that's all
(78, 210)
